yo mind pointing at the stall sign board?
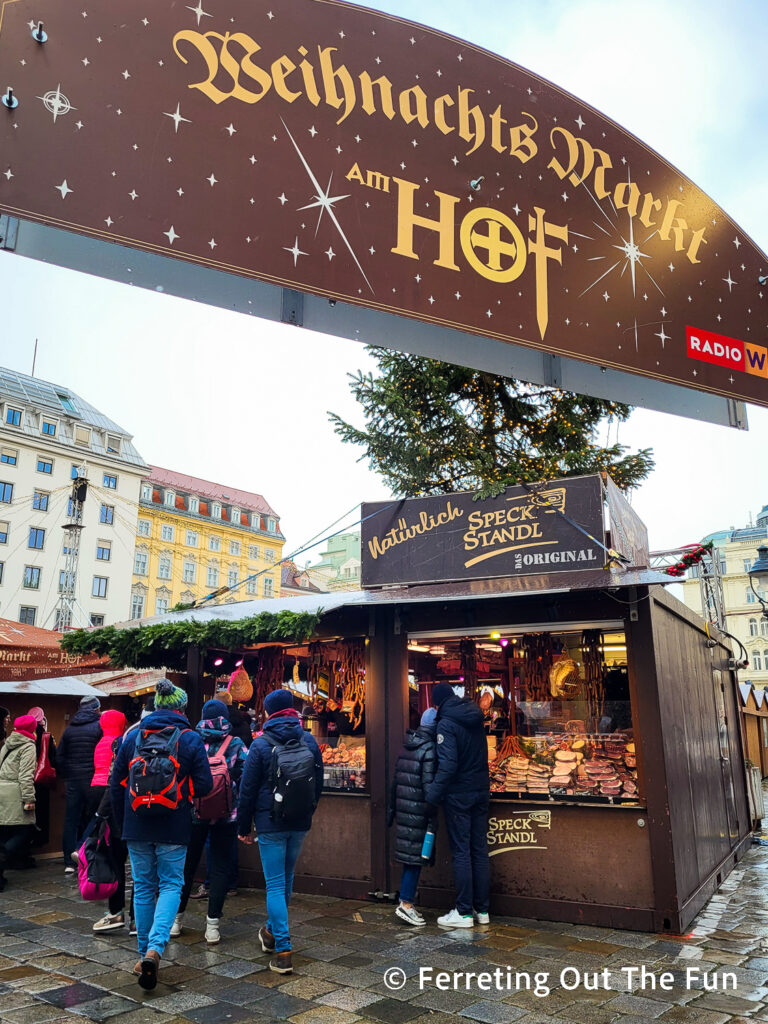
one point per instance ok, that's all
(629, 534)
(520, 831)
(524, 531)
(335, 151)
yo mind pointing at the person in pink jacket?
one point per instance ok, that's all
(112, 727)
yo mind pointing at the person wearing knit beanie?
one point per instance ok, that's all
(429, 718)
(170, 697)
(26, 725)
(90, 703)
(278, 700)
(215, 709)
(440, 694)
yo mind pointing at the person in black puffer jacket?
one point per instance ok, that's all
(414, 771)
(462, 785)
(74, 758)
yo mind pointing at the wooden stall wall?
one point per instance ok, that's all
(702, 752)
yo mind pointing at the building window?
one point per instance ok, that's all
(110, 481)
(44, 465)
(194, 505)
(212, 576)
(751, 599)
(753, 627)
(12, 417)
(255, 521)
(107, 514)
(27, 615)
(763, 626)
(113, 444)
(234, 547)
(3, 533)
(99, 588)
(747, 564)
(167, 532)
(83, 436)
(269, 586)
(36, 538)
(765, 658)
(216, 510)
(164, 568)
(161, 605)
(2, 571)
(74, 472)
(104, 551)
(145, 528)
(141, 563)
(146, 492)
(757, 661)
(253, 552)
(214, 543)
(191, 539)
(137, 606)
(189, 572)
(9, 456)
(269, 555)
(40, 501)
(63, 577)
(31, 577)
(97, 620)
(232, 578)
(169, 499)
(49, 427)
(252, 587)
(6, 493)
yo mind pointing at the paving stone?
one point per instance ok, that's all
(692, 1015)
(307, 988)
(216, 1013)
(36, 1013)
(180, 1002)
(324, 1015)
(638, 1005)
(348, 998)
(391, 1011)
(72, 995)
(104, 1008)
(492, 1013)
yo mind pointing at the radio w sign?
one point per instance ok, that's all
(343, 153)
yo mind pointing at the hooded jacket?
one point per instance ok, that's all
(414, 770)
(75, 752)
(172, 827)
(462, 751)
(18, 760)
(112, 726)
(255, 802)
(213, 732)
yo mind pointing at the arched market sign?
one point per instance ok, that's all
(269, 157)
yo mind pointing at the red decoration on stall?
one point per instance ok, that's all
(694, 553)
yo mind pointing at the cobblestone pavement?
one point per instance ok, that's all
(53, 968)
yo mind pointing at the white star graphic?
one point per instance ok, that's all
(133, 194)
(270, 15)
(412, 41)
(458, 295)
(729, 281)
(179, 192)
(145, 22)
(736, 241)
(295, 251)
(312, 131)
(454, 160)
(199, 12)
(606, 296)
(56, 102)
(85, 62)
(431, 300)
(580, 122)
(663, 335)
(64, 189)
(231, 129)
(78, 125)
(212, 179)
(176, 117)
(516, 208)
(282, 199)
(488, 313)
(252, 158)
(372, 251)
(212, 244)
(330, 253)
(564, 197)
(172, 236)
(417, 279)
(126, 74)
(108, 221)
(8, 174)
(663, 311)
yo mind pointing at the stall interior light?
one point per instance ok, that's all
(495, 636)
(421, 648)
(239, 664)
(219, 661)
(504, 642)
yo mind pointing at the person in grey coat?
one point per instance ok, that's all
(414, 770)
(18, 760)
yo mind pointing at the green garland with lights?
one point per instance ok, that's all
(165, 644)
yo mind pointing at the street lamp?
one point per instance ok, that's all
(759, 573)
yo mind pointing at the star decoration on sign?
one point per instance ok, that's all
(199, 12)
(663, 335)
(295, 251)
(171, 234)
(231, 129)
(213, 179)
(64, 189)
(56, 103)
(176, 117)
(729, 281)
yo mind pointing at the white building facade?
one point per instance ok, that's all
(49, 436)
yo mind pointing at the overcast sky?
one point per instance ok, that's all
(244, 402)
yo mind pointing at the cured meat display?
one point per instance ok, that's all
(344, 765)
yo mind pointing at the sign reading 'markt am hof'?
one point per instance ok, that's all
(335, 150)
(552, 528)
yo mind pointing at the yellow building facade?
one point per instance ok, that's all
(194, 537)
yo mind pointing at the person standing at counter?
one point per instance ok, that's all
(462, 786)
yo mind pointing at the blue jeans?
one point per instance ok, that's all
(409, 881)
(158, 878)
(279, 852)
(466, 817)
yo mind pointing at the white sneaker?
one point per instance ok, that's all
(69, 871)
(481, 918)
(410, 914)
(453, 919)
(176, 926)
(212, 934)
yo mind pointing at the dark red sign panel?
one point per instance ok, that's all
(351, 154)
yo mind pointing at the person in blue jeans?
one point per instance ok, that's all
(157, 839)
(462, 785)
(279, 847)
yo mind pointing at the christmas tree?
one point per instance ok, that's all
(434, 428)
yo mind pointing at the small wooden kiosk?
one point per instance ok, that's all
(619, 791)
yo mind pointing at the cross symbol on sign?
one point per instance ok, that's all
(493, 244)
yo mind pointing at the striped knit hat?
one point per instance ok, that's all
(169, 697)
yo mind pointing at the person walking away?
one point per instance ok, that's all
(214, 817)
(414, 771)
(18, 761)
(157, 769)
(462, 785)
(112, 727)
(75, 765)
(282, 814)
(43, 739)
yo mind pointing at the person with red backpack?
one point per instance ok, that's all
(281, 785)
(158, 770)
(214, 817)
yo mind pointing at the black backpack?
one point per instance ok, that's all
(153, 774)
(292, 777)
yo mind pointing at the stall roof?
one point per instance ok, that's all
(519, 586)
(64, 686)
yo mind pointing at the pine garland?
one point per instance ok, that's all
(692, 556)
(165, 644)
